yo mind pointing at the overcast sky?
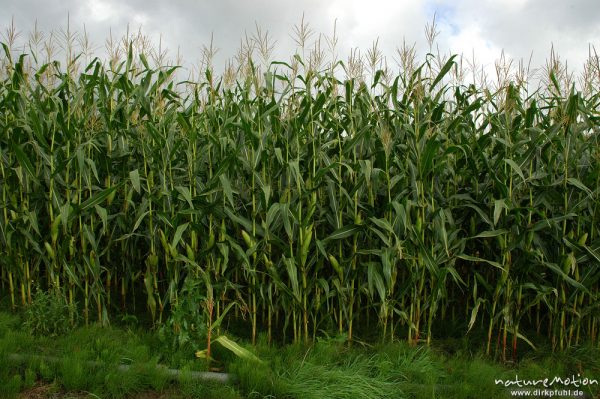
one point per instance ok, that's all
(519, 27)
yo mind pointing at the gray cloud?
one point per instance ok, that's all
(521, 27)
(517, 26)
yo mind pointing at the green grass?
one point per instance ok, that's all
(327, 369)
(89, 359)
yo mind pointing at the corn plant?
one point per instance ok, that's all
(307, 195)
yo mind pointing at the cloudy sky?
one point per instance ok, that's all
(485, 27)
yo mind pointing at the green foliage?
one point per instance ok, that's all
(311, 196)
(150, 375)
(258, 380)
(74, 374)
(30, 378)
(46, 371)
(186, 326)
(8, 322)
(90, 359)
(237, 349)
(206, 389)
(10, 386)
(349, 380)
(48, 314)
(118, 384)
(473, 377)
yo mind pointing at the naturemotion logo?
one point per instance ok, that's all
(572, 381)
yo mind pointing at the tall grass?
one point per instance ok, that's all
(315, 195)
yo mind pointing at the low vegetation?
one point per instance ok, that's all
(90, 358)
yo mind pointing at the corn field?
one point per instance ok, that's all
(314, 196)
